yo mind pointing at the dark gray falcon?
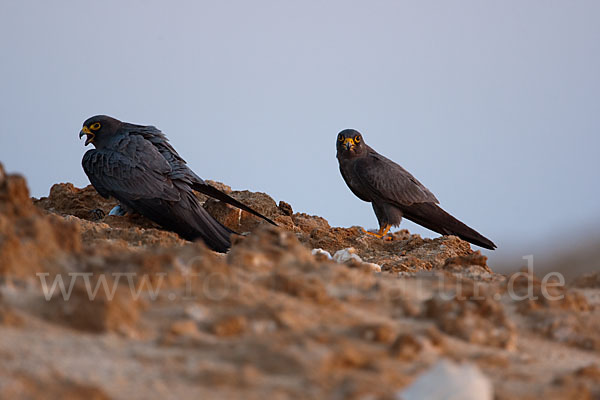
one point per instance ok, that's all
(138, 166)
(394, 193)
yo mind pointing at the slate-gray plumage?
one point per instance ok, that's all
(394, 193)
(138, 166)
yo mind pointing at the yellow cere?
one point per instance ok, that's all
(349, 140)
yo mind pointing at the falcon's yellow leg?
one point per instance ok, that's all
(381, 233)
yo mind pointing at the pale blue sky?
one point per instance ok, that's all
(493, 105)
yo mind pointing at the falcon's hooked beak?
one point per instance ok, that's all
(349, 143)
(90, 135)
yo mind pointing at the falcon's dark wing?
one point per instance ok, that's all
(182, 172)
(179, 169)
(382, 179)
(139, 177)
(137, 171)
(386, 181)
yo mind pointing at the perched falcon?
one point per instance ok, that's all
(394, 193)
(138, 166)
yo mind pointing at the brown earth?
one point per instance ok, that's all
(270, 319)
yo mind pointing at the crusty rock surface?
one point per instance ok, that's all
(144, 314)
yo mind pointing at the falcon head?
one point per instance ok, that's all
(98, 129)
(350, 144)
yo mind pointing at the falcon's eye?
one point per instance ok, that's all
(95, 126)
(341, 138)
(357, 139)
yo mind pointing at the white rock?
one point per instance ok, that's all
(197, 312)
(449, 381)
(344, 255)
(349, 254)
(315, 252)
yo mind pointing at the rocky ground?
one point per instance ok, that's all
(304, 311)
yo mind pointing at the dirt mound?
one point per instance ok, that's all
(97, 306)
(30, 241)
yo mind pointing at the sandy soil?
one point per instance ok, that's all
(272, 318)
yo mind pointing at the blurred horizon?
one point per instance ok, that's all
(491, 105)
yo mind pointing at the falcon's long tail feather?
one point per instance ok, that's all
(212, 232)
(433, 217)
(188, 219)
(217, 194)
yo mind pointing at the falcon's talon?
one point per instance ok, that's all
(118, 211)
(383, 231)
(378, 236)
(371, 233)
